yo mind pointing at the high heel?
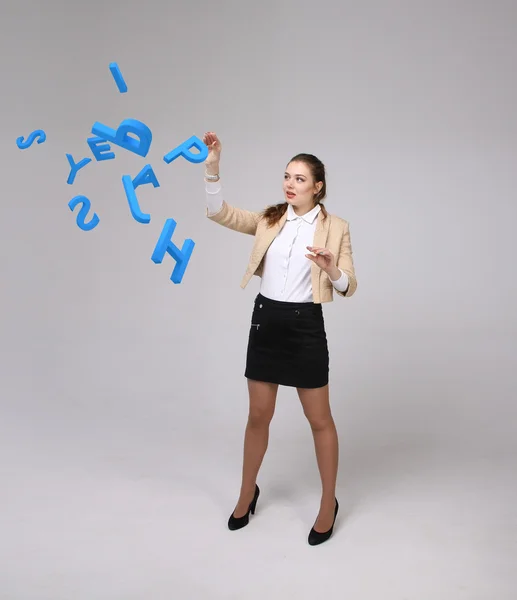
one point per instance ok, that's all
(240, 522)
(315, 537)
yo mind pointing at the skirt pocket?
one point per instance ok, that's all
(287, 347)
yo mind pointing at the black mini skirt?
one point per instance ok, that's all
(287, 344)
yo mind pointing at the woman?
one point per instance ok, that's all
(287, 341)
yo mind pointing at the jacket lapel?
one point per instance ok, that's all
(320, 241)
(269, 235)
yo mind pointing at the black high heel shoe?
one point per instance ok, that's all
(240, 522)
(315, 537)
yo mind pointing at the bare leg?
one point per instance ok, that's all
(262, 399)
(316, 407)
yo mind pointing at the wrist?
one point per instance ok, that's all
(212, 178)
(212, 168)
(334, 273)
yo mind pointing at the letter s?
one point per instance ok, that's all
(86, 205)
(39, 133)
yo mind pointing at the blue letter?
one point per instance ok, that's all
(165, 244)
(117, 76)
(138, 215)
(121, 138)
(39, 133)
(98, 146)
(83, 212)
(184, 150)
(146, 175)
(75, 167)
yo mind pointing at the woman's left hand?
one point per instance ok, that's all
(324, 258)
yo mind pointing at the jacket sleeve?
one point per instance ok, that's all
(238, 219)
(346, 264)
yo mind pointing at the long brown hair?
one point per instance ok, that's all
(274, 213)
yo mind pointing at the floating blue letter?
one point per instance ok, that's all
(138, 215)
(184, 150)
(146, 175)
(165, 244)
(39, 133)
(121, 138)
(86, 204)
(117, 76)
(75, 167)
(98, 146)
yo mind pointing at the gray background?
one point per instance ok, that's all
(123, 400)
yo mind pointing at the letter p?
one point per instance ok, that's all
(184, 150)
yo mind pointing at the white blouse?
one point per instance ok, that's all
(287, 271)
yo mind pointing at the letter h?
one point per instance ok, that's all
(165, 244)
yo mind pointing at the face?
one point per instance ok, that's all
(299, 186)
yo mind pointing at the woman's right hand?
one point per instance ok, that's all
(211, 140)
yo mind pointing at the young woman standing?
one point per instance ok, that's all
(303, 255)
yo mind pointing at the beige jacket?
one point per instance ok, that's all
(331, 233)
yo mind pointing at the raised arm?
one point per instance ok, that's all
(217, 209)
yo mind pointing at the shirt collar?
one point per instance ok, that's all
(309, 217)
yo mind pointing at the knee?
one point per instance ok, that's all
(259, 418)
(320, 423)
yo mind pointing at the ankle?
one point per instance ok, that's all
(328, 500)
(247, 490)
